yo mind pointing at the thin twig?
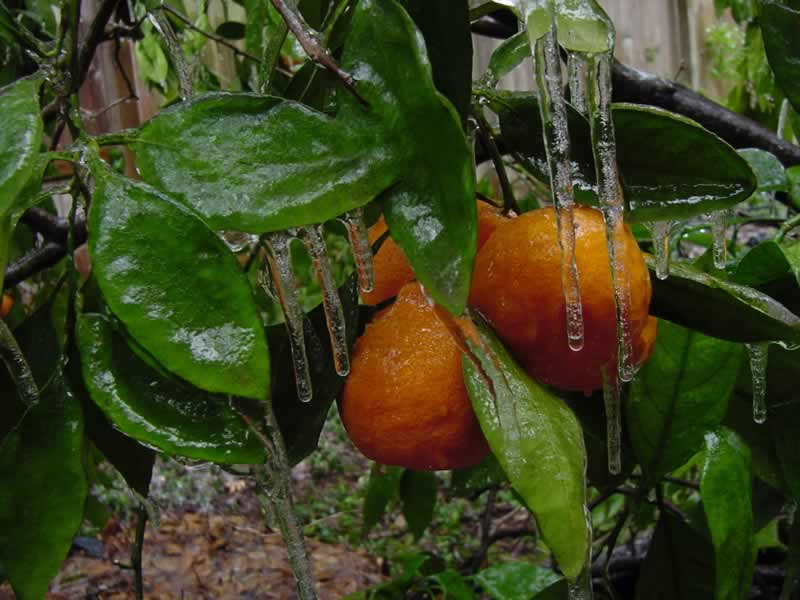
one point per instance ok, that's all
(487, 139)
(136, 552)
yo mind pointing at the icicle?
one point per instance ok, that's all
(578, 66)
(612, 398)
(660, 231)
(782, 116)
(176, 56)
(598, 84)
(719, 241)
(362, 251)
(238, 241)
(331, 303)
(556, 141)
(758, 373)
(18, 368)
(580, 588)
(284, 288)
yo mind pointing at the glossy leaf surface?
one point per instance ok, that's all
(536, 438)
(418, 496)
(382, 487)
(176, 287)
(725, 486)
(720, 308)
(655, 148)
(514, 580)
(44, 489)
(769, 172)
(779, 27)
(680, 393)
(164, 413)
(767, 262)
(20, 138)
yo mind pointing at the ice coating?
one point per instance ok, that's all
(660, 231)
(356, 228)
(758, 373)
(164, 27)
(556, 141)
(612, 204)
(718, 239)
(612, 399)
(331, 303)
(284, 288)
(578, 71)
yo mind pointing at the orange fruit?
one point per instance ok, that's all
(405, 402)
(391, 267)
(7, 305)
(517, 286)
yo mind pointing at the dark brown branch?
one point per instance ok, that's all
(93, 39)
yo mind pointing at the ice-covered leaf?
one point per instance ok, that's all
(164, 413)
(719, 307)
(536, 438)
(725, 487)
(176, 287)
(769, 171)
(680, 393)
(658, 153)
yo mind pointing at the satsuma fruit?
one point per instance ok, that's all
(517, 286)
(6, 306)
(405, 402)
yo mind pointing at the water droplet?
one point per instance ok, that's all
(331, 303)
(612, 398)
(175, 52)
(556, 139)
(283, 286)
(362, 252)
(758, 373)
(660, 231)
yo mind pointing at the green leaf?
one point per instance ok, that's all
(779, 27)
(176, 287)
(20, 138)
(725, 486)
(515, 580)
(473, 480)
(232, 30)
(680, 393)
(657, 151)
(679, 564)
(720, 308)
(382, 487)
(445, 26)
(536, 438)
(453, 585)
(301, 423)
(793, 181)
(769, 171)
(508, 55)
(767, 262)
(43, 492)
(164, 413)
(418, 496)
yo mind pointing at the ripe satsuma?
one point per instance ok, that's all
(6, 306)
(405, 402)
(517, 287)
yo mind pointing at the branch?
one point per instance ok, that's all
(93, 39)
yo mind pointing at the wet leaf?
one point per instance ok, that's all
(661, 179)
(176, 287)
(725, 487)
(779, 26)
(44, 489)
(536, 438)
(164, 413)
(767, 262)
(679, 564)
(473, 480)
(679, 394)
(515, 580)
(301, 423)
(508, 55)
(720, 308)
(769, 171)
(382, 487)
(418, 497)
(454, 586)
(20, 138)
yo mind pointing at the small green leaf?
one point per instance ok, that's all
(662, 178)
(418, 496)
(680, 393)
(725, 487)
(779, 27)
(720, 308)
(382, 487)
(793, 181)
(767, 262)
(508, 55)
(515, 580)
(679, 564)
(20, 138)
(176, 287)
(44, 489)
(453, 585)
(164, 413)
(232, 30)
(769, 171)
(472, 480)
(536, 438)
